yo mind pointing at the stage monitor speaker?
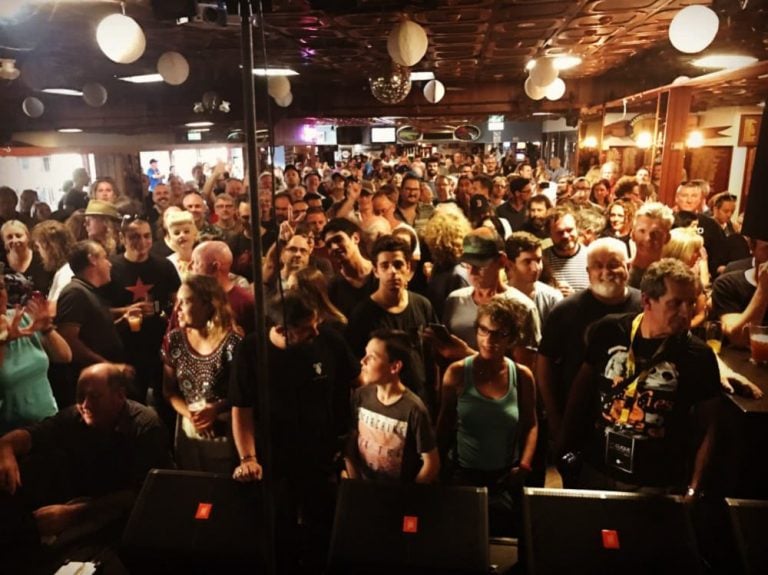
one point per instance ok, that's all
(605, 533)
(749, 519)
(409, 528)
(186, 521)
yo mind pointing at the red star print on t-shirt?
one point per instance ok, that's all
(140, 290)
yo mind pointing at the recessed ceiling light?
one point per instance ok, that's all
(200, 130)
(198, 124)
(274, 72)
(543, 114)
(567, 62)
(142, 78)
(62, 91)
(418, 76)
(724, 61)
(70, 130)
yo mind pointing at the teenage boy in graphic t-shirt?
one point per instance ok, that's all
(392, 437)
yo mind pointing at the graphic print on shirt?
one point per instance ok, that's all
(646, 401)
(381, 442)
(140, 290)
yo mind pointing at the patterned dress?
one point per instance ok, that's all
(202, 379)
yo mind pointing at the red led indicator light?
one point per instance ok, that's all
(203, 511)
(610, 539)
(410, 524)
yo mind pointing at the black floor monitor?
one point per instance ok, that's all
(200, 522)
(390, 528)
(749, 519)
(600, 532)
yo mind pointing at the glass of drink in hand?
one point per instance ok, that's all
(714, 335)
(758, 343)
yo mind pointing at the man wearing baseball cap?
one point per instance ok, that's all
(484, 257)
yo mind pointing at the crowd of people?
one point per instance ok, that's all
(464, 319)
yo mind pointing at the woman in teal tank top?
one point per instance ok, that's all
(487, 414)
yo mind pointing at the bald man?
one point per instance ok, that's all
(214, 258)
(85, 464)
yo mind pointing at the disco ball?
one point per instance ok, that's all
(393, 86)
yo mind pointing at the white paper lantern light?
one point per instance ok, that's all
(533, 91)
(693, 28)
(121, 38)
(434, 91)
(278, 86)
(544, 72)
(284, 101)
(94, 94)
(173, 67)
(555, 90)
(407, 43)
(32, 107)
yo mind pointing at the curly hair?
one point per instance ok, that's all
(507, 313)
(56, 240)
(444, 235)
(653, 283)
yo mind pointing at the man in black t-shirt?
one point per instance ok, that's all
(355, 280)
(741, 297)
(87, 463)
(147, 283)
(393, 306)
(561, 351)
(83, 317)
(309, 379)
(629, 410)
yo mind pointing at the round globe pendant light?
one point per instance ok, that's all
(173, 67)
(533, 91)
(555, 90)
(693, 28)
(121, 38)
(407, 43)
(434, 91)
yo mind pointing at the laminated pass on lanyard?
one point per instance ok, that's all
(621, 440)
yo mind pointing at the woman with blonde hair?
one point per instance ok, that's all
(686, 245)
(444, 236)
(197, 356)
(24, 268)
(182, 236)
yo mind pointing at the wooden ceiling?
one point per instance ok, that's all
(477, 48)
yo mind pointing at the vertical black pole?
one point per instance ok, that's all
(757, 200)
(263, 428)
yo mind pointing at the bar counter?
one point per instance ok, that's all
(744, 433)
(738, 360)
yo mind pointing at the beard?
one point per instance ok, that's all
(608, 289)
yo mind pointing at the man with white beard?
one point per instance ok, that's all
(562, 347)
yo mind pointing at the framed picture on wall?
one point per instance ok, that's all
(749, 130)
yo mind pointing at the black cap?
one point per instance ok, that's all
(481, 246)
(478, 204)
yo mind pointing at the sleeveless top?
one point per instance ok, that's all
(487, 430)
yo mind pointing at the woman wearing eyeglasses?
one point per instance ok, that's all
(487, 419)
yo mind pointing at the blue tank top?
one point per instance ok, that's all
(487, 431)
